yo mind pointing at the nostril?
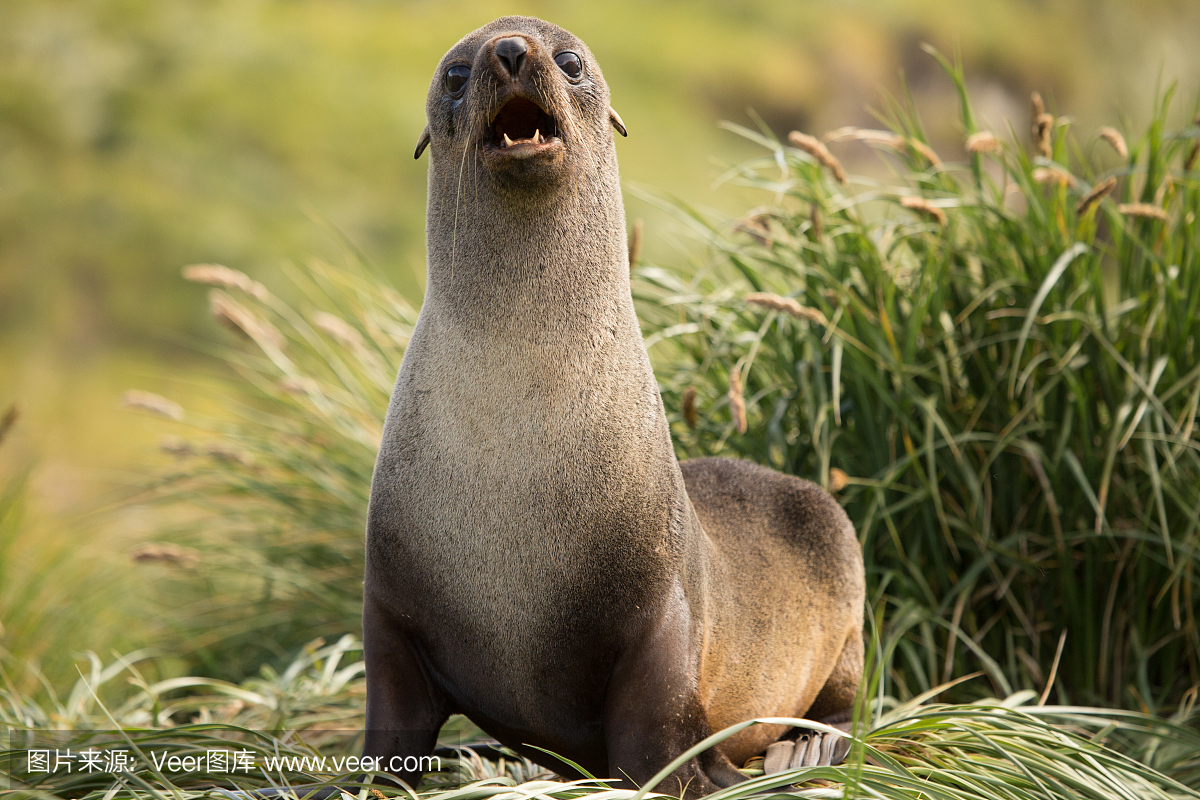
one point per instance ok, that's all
(511, 52)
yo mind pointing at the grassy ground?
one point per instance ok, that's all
(990, 358)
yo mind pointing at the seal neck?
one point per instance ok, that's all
(528, 260)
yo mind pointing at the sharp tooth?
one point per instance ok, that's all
(537, 137)
(507, 141)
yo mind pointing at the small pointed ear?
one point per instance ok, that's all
(616, 121)
(422, 143)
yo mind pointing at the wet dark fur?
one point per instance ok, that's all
(536, 557)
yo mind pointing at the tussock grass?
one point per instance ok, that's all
(1012, 747)
(42, 575)
(1002, 376)
(270, 507)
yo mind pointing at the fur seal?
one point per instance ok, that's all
(536, 557)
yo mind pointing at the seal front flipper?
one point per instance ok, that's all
(653, 711)
(405, 707)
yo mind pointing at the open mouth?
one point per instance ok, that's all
(523, 125)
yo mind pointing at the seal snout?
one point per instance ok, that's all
(510, 51)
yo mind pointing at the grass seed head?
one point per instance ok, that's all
(225, 454)
(176, 446)
(1036, 105)
(787, 305)
(232, 314)
(217, 275)
(926, 151)
(737, 403)
(297, 384)
(1098, 193)
(1043, 124)
(814, 147)
(155, 403)
(983, 142)
(340, 330)
(1114, 137)
(1148, 210)
(164, 553)
(754, 226)
(687, 407)
(851, 133)
(925, 207)
(1047, 176)
(838, 479)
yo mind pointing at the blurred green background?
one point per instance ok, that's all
(138, 136)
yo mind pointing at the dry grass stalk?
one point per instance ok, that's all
(229, 312)
(983, 142)
(787, 305)
(340, 330)
(925, 207)
(8, 421)
(1114, 137)
(1042, 126)
(635, 243)
(1097, 194)
(814, 147)
(217, 275)
(838, 479)
(148, 401)
(165, 553)
(1143, 210)
(816, 229)
(687, 407)
(737, 403)
(1053, 175)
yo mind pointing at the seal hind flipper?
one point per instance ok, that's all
(778, 757)
(809, 749)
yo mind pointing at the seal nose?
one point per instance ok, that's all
(511, 52)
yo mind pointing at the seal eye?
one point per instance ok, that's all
(456, 78)
(570, 64)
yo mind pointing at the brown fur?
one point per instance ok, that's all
(536, 557)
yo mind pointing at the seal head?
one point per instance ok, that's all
(522, 98)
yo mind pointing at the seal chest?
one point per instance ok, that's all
(536, 557)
